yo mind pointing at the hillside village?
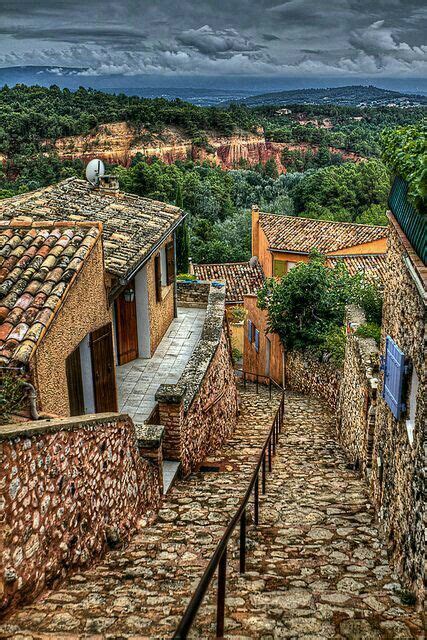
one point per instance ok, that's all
(217, 450)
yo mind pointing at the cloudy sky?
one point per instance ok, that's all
(254, 37)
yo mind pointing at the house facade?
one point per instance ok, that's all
(55, 320)
(139, 250)
(281, 243)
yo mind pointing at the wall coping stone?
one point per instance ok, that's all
(367, 347)
(192, 377)
(149, 436)
(51, 425)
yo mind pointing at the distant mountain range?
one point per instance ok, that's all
(355, 96)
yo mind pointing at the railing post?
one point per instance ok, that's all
(263, 473)
(244, 379)
(220, 607)
(273, 438)
(257, 383)
(243, 542)
(256, 501)
(269, 385)
(269, 454)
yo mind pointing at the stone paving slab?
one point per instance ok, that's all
(141, 591)
(316, 567)
(138, 381)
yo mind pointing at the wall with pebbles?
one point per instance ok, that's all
(358, 395)
(398, 475)
(71, 487)
(200, 411)
(306, 374)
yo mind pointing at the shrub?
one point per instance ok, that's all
(370, 330)
(334, 345)
(12, 395)
(237, 314)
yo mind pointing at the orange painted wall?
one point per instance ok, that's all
(255, 361)
(377, 246)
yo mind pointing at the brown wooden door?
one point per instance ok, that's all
(103, 372)
(127, 332)
(73, 369)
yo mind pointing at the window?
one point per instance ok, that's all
(158, 277)
(394, 371)
(163, 267)
(170, 262)
(279, 268)
(291, 265)
(250, 330)
(256, 340)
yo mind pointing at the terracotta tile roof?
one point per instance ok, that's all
(374, 266)
(240, 277)
(288, 233)
(38, 264)
(132, 225)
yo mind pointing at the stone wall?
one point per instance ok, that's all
(71, 488)
(358, 395)
(397, 477)
(306, 374)
(200, 411)
(71, 324)
(161, 312)
(193, 294)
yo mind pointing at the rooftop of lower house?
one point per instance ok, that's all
(372, 266)
(240, 277)
(302, 235)
(132, 226)
(38, 265)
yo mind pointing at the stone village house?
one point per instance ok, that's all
(139, 253)
(47, 270)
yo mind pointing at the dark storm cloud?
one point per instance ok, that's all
(359, 37)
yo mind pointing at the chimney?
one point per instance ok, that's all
(255, 230)
(108, 183)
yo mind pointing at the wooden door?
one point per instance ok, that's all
(73, 369)
(127, 331)
(103, 371)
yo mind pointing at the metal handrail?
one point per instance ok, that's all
(257, 376)
(219, 557)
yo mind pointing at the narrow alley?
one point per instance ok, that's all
(315, 565)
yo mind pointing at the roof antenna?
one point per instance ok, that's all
(94, 171)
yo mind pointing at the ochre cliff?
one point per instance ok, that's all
(117, 143)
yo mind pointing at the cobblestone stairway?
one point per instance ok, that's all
(316, 568)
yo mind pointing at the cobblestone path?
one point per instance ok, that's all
(316, 568)
(315, 565)
(141, 591)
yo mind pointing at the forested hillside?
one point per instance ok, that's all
(321, 161)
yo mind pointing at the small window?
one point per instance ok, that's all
(291, 265)
(163, 267)
(256, 340)
(250, 330)
(279, 268)
(158, 277)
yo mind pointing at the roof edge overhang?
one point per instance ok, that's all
(124, 280)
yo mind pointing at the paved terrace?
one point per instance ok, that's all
(316, 566)
(138, 381)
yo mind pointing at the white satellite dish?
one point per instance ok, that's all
(94, 170)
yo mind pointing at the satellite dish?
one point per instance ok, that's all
(94, 170)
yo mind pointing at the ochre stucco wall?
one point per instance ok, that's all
(255, 361)
(161, 313)
(377, 246)
(84, 309)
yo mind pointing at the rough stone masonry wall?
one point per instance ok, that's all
(358, 395)
(397, 483)
(193, 294)
(306, 374)
(200, 411)
(70, 487)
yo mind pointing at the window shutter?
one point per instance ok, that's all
(170, 263)
(250, 330)
(158, 277)
(279, 268)
(394, 371)
(256, 340)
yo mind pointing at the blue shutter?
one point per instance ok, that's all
(256, 340)
(250, 330)
(394, 371)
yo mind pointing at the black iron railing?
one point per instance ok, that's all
(413, 223)
(248, 376)
(219, 557)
